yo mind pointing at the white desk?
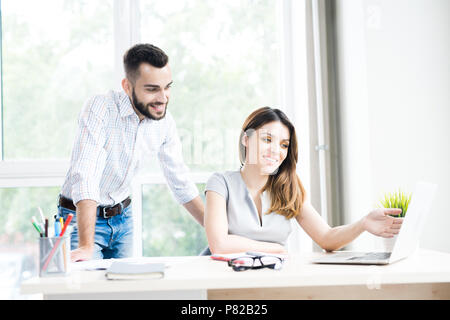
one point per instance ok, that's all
(425, 275)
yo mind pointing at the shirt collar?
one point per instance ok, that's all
(125, 107)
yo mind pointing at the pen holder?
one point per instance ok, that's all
(54, 256)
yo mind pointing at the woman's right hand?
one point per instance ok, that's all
(380, 222)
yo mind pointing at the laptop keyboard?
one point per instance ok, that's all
(372, 256)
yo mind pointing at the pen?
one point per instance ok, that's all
(40, 225)
(69, 218)
(33, 221)
(57, 228)
(46, 227)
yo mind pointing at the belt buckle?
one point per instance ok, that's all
(109, 207)
(104, 212)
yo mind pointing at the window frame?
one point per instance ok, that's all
(295, 93)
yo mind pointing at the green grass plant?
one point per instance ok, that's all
(397, 200)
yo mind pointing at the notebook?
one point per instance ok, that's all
(126, 270)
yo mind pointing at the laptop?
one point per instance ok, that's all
(407, 239)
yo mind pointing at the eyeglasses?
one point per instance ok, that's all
(259, 262)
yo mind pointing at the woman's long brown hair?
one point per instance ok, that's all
(286, 191)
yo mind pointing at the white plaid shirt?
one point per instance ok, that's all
(109, 148)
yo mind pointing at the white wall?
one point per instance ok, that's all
(394, 105)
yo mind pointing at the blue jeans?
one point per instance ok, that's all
(113, 236)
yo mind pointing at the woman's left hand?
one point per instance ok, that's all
(380, 223)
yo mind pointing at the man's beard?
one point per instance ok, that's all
(144, 110)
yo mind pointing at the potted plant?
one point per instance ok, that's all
(397, 200)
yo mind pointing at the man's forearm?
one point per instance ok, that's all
(86, 218)
(196, 209)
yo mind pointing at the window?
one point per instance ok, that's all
(227, 58)
(55, 55)
(225, 62)
(168, 230)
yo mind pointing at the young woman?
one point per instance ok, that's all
(250, 209)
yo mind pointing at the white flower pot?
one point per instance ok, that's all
(388, 243)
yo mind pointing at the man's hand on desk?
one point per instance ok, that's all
(82, 254)
(380, 223)
(86, 218)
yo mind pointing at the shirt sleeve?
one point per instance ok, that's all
(217, 184)
(174, 169)
(88, 155)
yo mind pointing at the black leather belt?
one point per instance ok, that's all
(105, 212)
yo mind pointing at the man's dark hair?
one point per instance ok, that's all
(141, 53)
